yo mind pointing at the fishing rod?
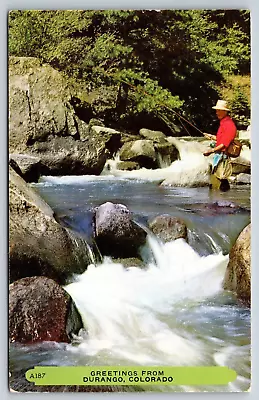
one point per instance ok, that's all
(165, 106)
(161, 104)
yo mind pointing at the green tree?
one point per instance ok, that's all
(153, 63)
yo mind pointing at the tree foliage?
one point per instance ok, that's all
(151, 61)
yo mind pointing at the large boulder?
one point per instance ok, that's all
(67, 156)
(168, 228)
(238, 274)
(116, 234)
(166, 151)
(41, 310)
(43, 123)
(39, 103)
(166, 154)
(140, 151)
(155, 136)
(30, 167)
(38, 244)
(110, 137)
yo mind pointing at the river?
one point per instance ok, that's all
(172, 312)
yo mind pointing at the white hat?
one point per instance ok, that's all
(221, 105)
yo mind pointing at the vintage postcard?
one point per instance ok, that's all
(129, 200)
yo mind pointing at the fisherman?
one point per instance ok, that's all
(221, 166)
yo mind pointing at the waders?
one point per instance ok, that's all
(220, 174)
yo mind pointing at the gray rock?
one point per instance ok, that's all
(43, 124)
(168, 228)
(140, 151)
(67, 156)
(238, 274)
(39, 103)
(116, 233)
(240, 166)
(155, 136)
(130, 262)
(110, 137)
(30, 166)
(41, 310)
(243, 179)
(95, 122)
(167, 153)
(38, 245)
(128, 165)
(126, 137)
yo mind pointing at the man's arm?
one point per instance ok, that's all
(214, 150)
(210, 136)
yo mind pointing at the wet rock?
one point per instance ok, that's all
(30, 166)
(238, 274)
(110, 137)
(128, 165)
(167, 153)
(116, 233)
(130, 262)
(223, 203)
(126, 137)
(168, 228)
(40, 310)
(38, 245)
(67, 156)
(140, 151)
(155, 136)
(224, 207)
(243, 179)
(239, 167)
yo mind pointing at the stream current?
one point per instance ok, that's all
(172, 312)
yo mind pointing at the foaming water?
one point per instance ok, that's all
(161, 315)
(172, 312)
(125, 310)
(190, 170)
(165, 314)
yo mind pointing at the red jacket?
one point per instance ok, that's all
(226, 132)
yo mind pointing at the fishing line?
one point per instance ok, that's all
(137, 89)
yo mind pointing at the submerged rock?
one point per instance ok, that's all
(116, 233)
(219, 207)
(168, 228)
(238, 274)
(41, 310)
(38, 244)
(130, 262)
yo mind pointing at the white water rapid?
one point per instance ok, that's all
(130, 315)
(192, 169)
